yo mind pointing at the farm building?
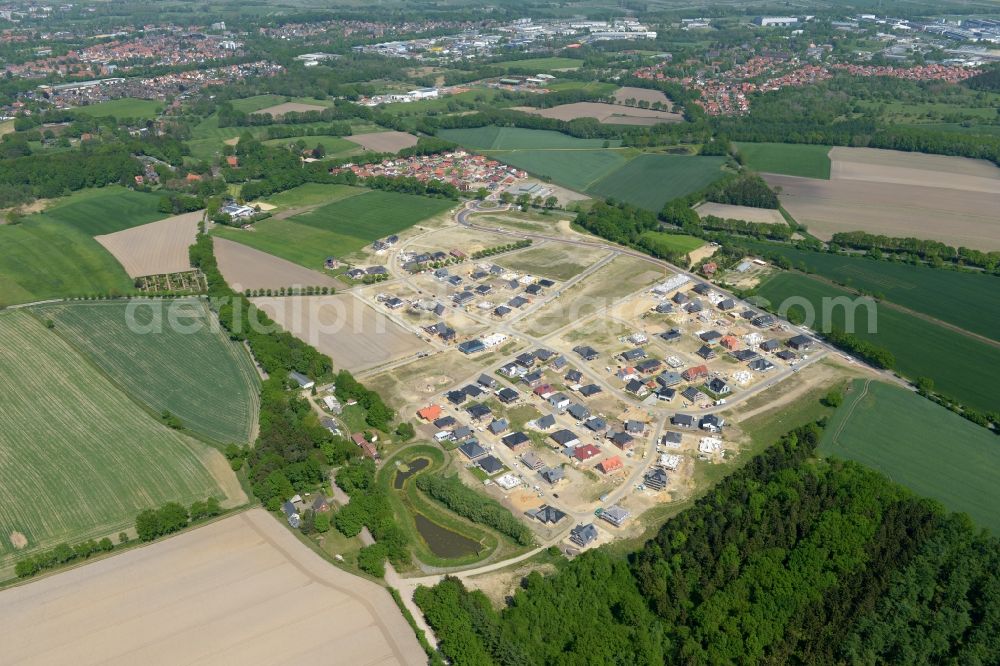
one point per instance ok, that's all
(300, 379)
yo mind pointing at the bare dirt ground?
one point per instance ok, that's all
(354, 335)
(384, 142)
(746, 213)
(702, 252)
(155, 248)
(952, 216)
(642, 95)
(893, 166)
(296, 107)
(616, 114)
(247, 268)
(242, 590)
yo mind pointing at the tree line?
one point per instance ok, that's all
(787, 560)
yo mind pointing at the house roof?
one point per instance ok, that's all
(612, 464)
(490, 464)
(514, 438)
(472, 449)
(586, 452)
(430, 412)
(564, 437)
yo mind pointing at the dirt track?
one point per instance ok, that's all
(247, 268)
(154, 248)
(242, 590)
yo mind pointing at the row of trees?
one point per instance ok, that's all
(786, 560)
(60, 555)
(873, 354)
(478, 508)
(500, 249)
(928, 250)
(173, 517)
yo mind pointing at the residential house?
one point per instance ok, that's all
(595, 424)
(649, 365)
(461, 432)
(701, 289)
(487, 381)
(559, 401)
(692, 394)
(583, 535)
(479, 412)
(665, 394)
(444, 422)
(507, 395)
(726, 304)
(763, 321)
(682, 420)
(472, 450)
(730, 342)
(368, 448)
(456, 397)
(498, 426)
(786, 355)
(710, 337)
(638, 388)
(472, 390)
(552, 475)
(622, 440)
(668, 379)
(634, 427)
(518, 302)
(586, 452)
(471, 346)
(586, 352)
(771, 345)
(291, 515)
(565, 438)
(490, 464)
(578, 411)
(632, 355)
(664, 308)
(532, 461)
(800, 342)
(744, 355)
(695, 372)
(429, 413)
(543, 422)
(533, 378)
(558, 363)
(656, 479)
(589, 390)
(611, 465)
(711, 423)
(525, 360)
(719, 386)
(574, 377)
(761, 365)
(680, 298)
(501, 311)
(516, 441)
(546, 514)
(671, 439)
(706, 353)
(616, 515)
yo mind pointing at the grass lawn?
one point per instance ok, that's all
(672, 242)
(541, 64)
(791, 159)
(80, 459)
(312, 194)
(650, 181)
(961, 367)
(920, 445)
(126, 107)
(200, 376)
(492, 137)
(968, 300)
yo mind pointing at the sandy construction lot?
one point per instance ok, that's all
(242, 590)
(893, 166)
(956, 217)
(247, 268)
(296, 107)
(746, 213)
(615, 114)
(384, 142)
(642, 95)
(154, 248)
(351, 332)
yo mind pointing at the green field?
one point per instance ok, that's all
(339, 228)
(791, 159)
(200, 376)
(78, 458)
(671, 242)
(541, 64)
(313, 194)
(334, 145)
(53, 254)
(258, 102)
(576, 169)
(961, 367)
(124, 108)
(492, 137)
(920, 445)
(968, 300)
(650, 181)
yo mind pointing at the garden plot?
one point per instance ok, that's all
(154, 248)
(355, 336)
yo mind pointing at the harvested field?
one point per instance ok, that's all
(384, 142)
(952, 216)
(354, 335)
(612, 114)
(247, 268)
(154, 248)
(78, 457)
(745, 213)
(231, 591)
(642, 95)
(896, 167)
(279, 110)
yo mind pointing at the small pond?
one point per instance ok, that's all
(442, 541)
(412, 468)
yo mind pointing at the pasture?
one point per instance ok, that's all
(268, 103)
(279, 110)
(344, 327)
(920, 445)
(79, 458)
(232, 587)
(246, 267)
(961, 367)
(954, 216)
(127, 107)
(192, 369)
(969, 300)
(492, 137)
(154, 248)
(642, 95)
(790, 159)
(649, 181)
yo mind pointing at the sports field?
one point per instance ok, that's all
(920, 445)
(968, 300)
(79, 459)
(191, 369)
(961, 367)
(492, 137)
(790, 159)
(650, 181)
(126, 107)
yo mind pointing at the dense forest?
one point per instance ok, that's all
(789, 560)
